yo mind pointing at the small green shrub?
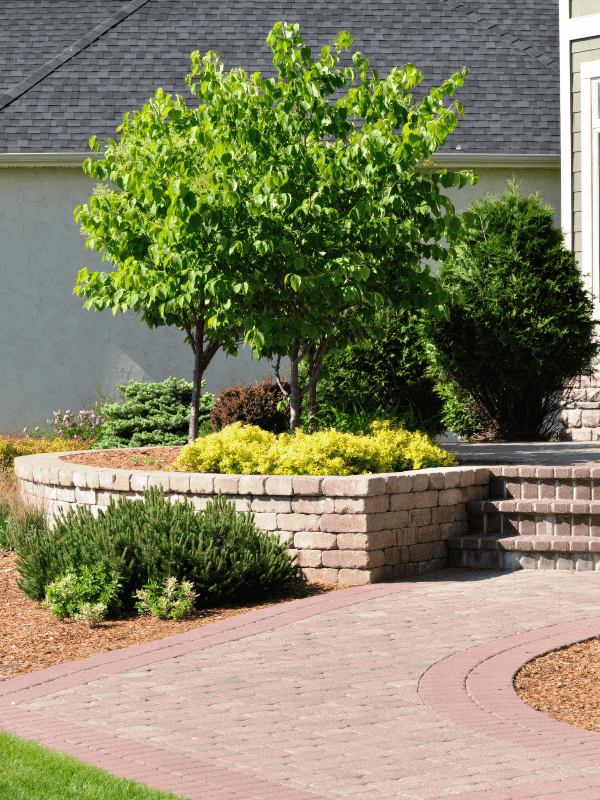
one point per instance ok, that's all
(170, 600)
(383, 373)
(219, 550)
(152, 414)
(82, 590)
(525, 329)
(251, 405)
(248, 450)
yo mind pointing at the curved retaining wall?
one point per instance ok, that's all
(351, 530)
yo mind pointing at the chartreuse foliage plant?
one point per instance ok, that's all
(525, 328)
(152, 414)
(169, 600)
(13, 445)
(29, 771)
(249, 450)
(219, 550)
(87, 593)
(317, 202)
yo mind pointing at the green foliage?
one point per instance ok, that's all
(383, 374)
(316, 200)
(151, 414)
(460, 415)
(248, 450)
(524, 330)
(29, 771)
(170, 600)
(219, 550)
(252, 405)
(82, 589)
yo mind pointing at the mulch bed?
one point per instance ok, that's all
(32, 639)
(149, 460)
(565, 684)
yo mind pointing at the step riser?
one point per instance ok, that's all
(534, 524)
(544, 489)
(486, 559)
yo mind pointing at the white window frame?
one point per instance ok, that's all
(590, 176)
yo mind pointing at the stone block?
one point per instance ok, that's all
(360, 505)
(452, 478)
(329, 576)
(115, 481)
(332, 558)
(344, 523)
(429, 533)
(201, 502)
(564, 562)
(266, 522)
(139, 482)
(407, 536)
(241, 502)
(65, 477)
(590, 419)
(299, 522)
(202, 484)
(446, 514)
(313, 505)
(378, 540)
(362, 559)
(226, 484)
(87, 496)
(179, 483)
(439, 550)
(160, 479)
(403, 484)
(584, 562)
(65, 494)
(380, 574)
(437, 478)
(354, 486)
(581, 435)
(306, 485)
(467, 477)
(278, 485)
(393, 556)
(252, 484)
(420, 482)
(450, 497)
(420, 516)
(80, 479)
(315, 540)
(428, 499)
(309, 558)
(402, 502)
(265, 504)
(421, 552)
(354, 577)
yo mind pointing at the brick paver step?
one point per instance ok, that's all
(527, 552)
(545, 483)
(591, 507)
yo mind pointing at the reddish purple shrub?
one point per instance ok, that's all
(252, 405)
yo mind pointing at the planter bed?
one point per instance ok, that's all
(349, 530)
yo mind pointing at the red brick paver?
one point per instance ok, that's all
(385, 691)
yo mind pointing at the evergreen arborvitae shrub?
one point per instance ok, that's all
(221, 551)
(152, 414)
(385, 369)
(525, 329)
(252, 405)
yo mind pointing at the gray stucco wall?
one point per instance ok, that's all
(53, 351)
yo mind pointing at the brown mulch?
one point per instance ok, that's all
(32, 639)
(149, 460)
(565, 684)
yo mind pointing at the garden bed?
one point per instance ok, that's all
(32, 639)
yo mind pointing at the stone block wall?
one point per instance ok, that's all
(581, 417)
(351, 530)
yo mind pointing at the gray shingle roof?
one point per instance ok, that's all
(511, 97)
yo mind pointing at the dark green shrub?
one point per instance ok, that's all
(152, 414)
(252, 405)
(219, 550)
(384, 371)
(525, 328)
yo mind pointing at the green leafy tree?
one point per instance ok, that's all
(317, 198)
(138, 219)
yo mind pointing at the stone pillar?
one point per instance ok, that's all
(581, 417)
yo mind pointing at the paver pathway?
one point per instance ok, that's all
(366, 700)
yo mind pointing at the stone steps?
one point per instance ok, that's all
(537, 518)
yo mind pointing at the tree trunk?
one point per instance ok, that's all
(294, 395)
(197, 383)
(312, 397)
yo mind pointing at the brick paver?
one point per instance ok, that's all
(379, 692)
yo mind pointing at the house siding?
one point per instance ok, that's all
(582, 51)
(581, 8)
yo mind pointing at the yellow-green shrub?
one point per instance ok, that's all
(13, 445)
(247, 450)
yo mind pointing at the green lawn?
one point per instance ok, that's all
(29, 771)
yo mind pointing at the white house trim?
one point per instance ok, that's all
(590, 176)
(566, 170)
(582, 27)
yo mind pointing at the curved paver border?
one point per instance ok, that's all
(474, 688)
